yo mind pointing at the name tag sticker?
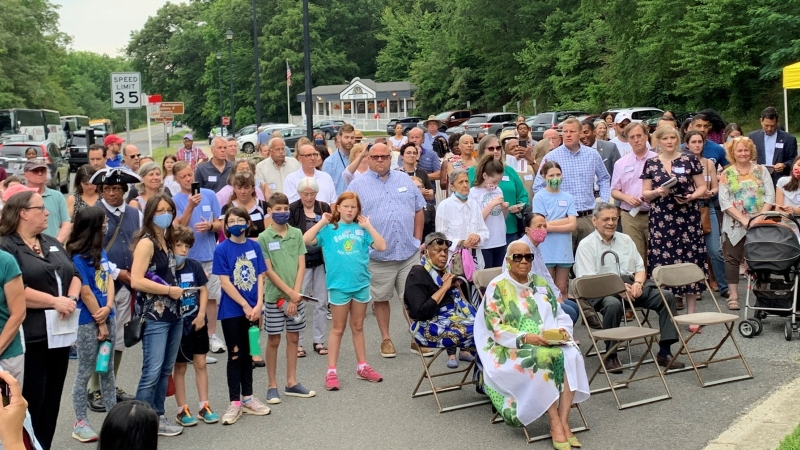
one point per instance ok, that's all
(187, 278)
(206, 208)
(528, 177)
(212, 178)
(402, 189)
(505, 177)
(53, 248)
(629, 168)
(359, 232)
(273, 246)
(562, 203)
(251, 254)
(273, 186)
(256, 216)
(679, 170)
(541, 289)
(797, 198)
(779, 145)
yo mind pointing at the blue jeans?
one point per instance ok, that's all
(715, 251)
(571, 308)
(160, 345)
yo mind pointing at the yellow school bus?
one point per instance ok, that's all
(103, 125)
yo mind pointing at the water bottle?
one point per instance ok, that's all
(254, 334)
(103, 357)
(283, 305)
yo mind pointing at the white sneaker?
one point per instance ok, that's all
(167, 428)
(211, 360)
(215, 344)
(232, 414)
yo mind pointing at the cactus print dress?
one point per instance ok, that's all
(524, 380)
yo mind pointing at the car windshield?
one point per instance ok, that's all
(444, 116)
(78, 141)
(14, 151)
(477, 119)
(339, 122)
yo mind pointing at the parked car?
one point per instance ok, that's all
(77, 148)
(652, 122)
(408, 123)
(12, 159)
(453, 130)
(247, 143)
(451, 119)
(513, 125)
(15, 138)
(639, 114)
(291, 136)
(217, 131)
(489, 123)
(179, 124)
(246, 130)
(329, 127)
(552, 119)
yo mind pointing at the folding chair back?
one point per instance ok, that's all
(605, 285)
(681, 275)
(483, 277)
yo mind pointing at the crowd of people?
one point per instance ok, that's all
(195, 255)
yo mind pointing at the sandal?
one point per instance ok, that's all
(733, 304)
(693, 328)
(320, 348)
(301, 352)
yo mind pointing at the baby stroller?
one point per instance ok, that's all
(772, 252)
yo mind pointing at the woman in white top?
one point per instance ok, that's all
(459, 217)
(169, 178)
(398, 139)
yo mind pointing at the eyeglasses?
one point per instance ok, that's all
(40, 208)
(138, 155)
(164, 211)
(238, 221)
(492, 149)
(609, 219)
(518, 257)
(39, 171)
(380, 157)
(308, 194)
(309, 155)
(440, 241)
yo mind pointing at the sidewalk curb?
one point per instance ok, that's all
(764, 426)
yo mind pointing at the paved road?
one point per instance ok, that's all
(139, 138)
(383, 415)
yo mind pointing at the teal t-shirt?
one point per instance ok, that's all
(9, 269)
(346, 254)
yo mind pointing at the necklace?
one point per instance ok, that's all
(34, 246)
(743, 171)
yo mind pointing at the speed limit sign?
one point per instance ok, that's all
(126, 90)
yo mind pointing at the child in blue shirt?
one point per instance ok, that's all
(345, 237)
(96, 321)
(240, 265)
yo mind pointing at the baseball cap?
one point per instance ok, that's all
(622, 116)
(188, 136)
(33, 165)
(112, 139)
(506, 135)
(15, 189)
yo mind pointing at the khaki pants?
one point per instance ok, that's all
(585, 228)
(637, 228)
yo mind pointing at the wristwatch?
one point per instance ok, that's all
(73, 298)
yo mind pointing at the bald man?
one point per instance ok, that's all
(130, 156)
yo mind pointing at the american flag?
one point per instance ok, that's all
(288, 74)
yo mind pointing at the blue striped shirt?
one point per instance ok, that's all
(391, 206)
(334, 165)
(579, 170)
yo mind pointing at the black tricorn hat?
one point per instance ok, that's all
(115, 175)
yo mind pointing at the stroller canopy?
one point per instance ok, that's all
(771, 247)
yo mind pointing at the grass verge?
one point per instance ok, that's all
(791, 441)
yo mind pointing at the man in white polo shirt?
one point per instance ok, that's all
(308, 157)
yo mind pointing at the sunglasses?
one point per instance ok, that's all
(518, 257)
(491, 149)
(440, 241)
(380, 157)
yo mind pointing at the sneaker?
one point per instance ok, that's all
(82, 432)
(96, 401)
(424, 351)
(211, 359)
(452, 363)
(232, 414)
(185, 418)
(298, 391)
(165, 428)
(122, 396)
(215, 344)
(332, 381)
(255, 407)
(369, 374)
(207, 414)
(73, 353)
(387, 349)
(273, 397)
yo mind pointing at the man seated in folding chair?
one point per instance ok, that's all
(643, 292)
(440, 316)
(524, 375)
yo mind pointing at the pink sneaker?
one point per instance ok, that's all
(332, 381)
(369, 374)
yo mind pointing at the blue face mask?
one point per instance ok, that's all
(163, 220)
(280, 217)
(319, 141)
(237, 230)
(461, 196)
(179, 260)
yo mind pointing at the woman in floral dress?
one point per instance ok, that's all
(524, 375)
(675, 228)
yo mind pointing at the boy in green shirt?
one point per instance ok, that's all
(284, 252)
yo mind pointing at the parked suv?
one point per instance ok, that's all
(451, 119)
(78, 150)
(639, 114)
(329, 127)
(489, 123)
(12, 159)
(551, 119)
(408, 123)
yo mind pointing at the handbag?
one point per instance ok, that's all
(463, 263)
(705, 219)
(134, 330)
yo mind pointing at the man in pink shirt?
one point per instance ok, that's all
(626, 187)
(190, 152)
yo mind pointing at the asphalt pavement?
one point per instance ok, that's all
(383, 415)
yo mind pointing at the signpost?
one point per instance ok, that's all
(126, 94)
(225, 122)
(171, 107)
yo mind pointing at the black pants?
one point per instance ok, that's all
(45, 373)
(240, 363)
